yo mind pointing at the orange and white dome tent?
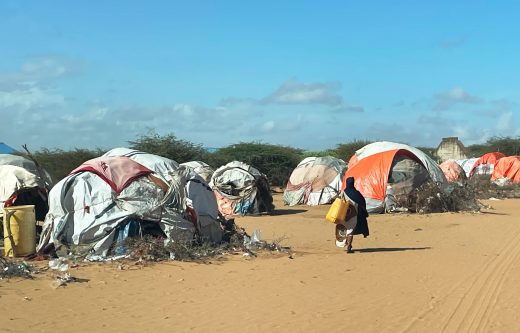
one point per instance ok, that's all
(486, 163)
(380, 166)
(508, 168)
(453, 171)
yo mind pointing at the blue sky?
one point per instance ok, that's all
(306, 74)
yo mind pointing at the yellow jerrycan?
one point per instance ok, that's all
(338, 210)
(19, 231)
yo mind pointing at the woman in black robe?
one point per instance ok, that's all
(361, 226)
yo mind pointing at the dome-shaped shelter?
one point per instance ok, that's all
(200, 196)
(23, 182)
(453, 171)
(508, 168)
(486, 163)
(200, 168)
(315, 181)
(241, 190)
(383, 166)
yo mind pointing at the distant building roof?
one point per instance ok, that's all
(5, 149)
(451, 148)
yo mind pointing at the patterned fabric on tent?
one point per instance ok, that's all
(453, 171)
(485, 164)
(315, 181)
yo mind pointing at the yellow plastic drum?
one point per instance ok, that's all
(20, 229)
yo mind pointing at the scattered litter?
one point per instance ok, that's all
(64, 279)
(494, 199)
(59, 264)
(10, 268)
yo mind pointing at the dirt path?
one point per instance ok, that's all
(415, 273)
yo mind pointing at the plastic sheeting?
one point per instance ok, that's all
(486, 163)
(507, 167)
(85, 212)
(315, 181)
(436, 173)
(18, 173)
(241, 189)
(399, 168)
(453, 171)
(200, 168)
(467, 165)
(199, 195)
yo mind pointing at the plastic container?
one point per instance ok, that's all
(20, 228)
(337, 211)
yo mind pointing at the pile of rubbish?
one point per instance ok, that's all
(236, 241)
(10, 268)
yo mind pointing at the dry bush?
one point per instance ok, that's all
(485, 188)
(429, 198)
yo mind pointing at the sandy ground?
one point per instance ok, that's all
(415, 273)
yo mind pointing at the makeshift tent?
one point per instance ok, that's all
(507, 168)
(200, 168)
(485, 164)
(5, 149)
(383, 170)
(110, 198)
(315, 181)
(453, 171)
(241, 189)
(200, 196)
(22, 182)
(467, 165)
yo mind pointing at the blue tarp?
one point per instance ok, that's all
(5, 149)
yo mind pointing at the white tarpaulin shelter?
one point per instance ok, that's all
(315, 181)
(22, 182)
(467, 165)
(199, 195)
(121, 194)
(241, 189)
(90, 208)
(200, 168)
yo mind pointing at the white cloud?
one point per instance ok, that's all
(294, 92)
(268, 126)
(348, 109)
(23, 100)
(504, 122)
(448, 99)
(39, 71)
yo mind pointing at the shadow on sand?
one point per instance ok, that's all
(288, 211)
(390, 249)
(494, 213)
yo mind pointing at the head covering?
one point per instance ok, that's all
(352, 193)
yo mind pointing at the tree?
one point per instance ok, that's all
(507, 145)
(276, 162)
(60, 163)
(170, 147)
(346, 150)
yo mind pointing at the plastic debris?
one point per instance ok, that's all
(10, 269)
